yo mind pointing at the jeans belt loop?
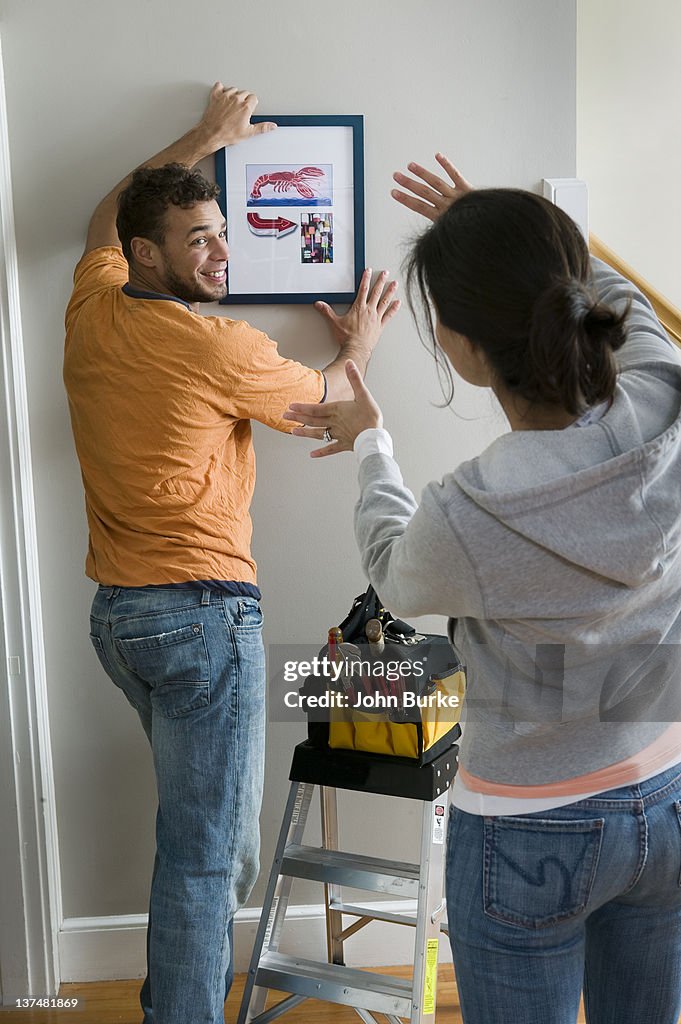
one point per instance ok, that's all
(205, 598)
(115, 591)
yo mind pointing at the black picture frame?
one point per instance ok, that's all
(314, 247)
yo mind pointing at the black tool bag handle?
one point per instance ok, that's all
(366, 606)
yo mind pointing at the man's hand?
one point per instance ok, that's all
(368, 315)
(226, 120)
(227, 117)
(357, 332)
(434, 196)
(343, 420)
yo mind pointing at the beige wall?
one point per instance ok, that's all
(94, 88)
(629, 132)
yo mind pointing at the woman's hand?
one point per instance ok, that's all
(436, 195)
(343, 420)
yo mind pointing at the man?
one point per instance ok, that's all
(161, 400)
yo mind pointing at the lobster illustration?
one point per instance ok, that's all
(284, 181)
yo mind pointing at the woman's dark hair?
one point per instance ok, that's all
(511, 272)
(143, 203)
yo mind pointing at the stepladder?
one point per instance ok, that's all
(294, 978)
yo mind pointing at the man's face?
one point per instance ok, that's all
(194, 254)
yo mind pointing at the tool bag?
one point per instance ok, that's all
(405, 701)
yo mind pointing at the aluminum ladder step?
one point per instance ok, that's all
(380, 993)
(398, 878)
(374, 913)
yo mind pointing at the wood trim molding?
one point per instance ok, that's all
(668, 315)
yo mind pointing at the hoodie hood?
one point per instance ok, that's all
(623, 471)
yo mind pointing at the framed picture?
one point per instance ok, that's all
(293, 200)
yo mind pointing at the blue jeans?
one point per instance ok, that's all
(191, 663)
(588, 894)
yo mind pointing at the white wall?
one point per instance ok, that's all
(92, 90)
(629, 132)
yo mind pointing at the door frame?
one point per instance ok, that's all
(30, 886)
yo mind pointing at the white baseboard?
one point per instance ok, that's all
(103, 948)
(114, 948)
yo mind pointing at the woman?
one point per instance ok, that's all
(556, 555)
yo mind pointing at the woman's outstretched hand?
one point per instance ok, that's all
(432, 195)
(343, 420)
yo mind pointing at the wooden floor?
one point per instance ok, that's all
(116, 1002)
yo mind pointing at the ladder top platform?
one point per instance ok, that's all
(374, 773)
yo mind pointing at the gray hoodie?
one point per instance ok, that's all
(556, 554)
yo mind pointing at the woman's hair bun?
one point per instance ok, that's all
(602, 322)
(572, 338)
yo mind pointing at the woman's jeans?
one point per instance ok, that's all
(588, 894)
(191, 663)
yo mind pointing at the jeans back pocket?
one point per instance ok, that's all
(101, 654)
(174, 665)
(539, 871)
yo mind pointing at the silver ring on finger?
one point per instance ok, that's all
(327, 435)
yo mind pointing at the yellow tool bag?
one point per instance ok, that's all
(384, 688)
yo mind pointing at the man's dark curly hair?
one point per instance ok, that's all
(142, 205)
